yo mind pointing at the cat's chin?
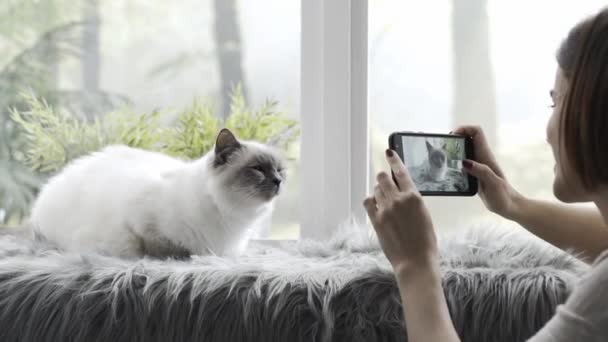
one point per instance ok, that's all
(262, 199)
(269, 194)
(268, 198)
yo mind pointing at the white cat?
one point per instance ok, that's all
(128, 202)
(436, 162)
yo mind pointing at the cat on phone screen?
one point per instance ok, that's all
(128, 202)
(436, 163)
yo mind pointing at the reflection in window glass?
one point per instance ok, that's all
(92, 57)
(437, 64)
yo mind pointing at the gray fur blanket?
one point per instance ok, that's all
(500, 287)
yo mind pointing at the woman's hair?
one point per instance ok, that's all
(583, 59)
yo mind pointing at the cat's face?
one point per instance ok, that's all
(437, 157)
(250, 170)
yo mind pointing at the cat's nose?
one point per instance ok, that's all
(276, 181)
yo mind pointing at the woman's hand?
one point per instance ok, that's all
(401, 220)
(406, 234)
(496, 193)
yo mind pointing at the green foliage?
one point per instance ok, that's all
(18, 183)
(34, 35)
(453, 149)
(194, 133)
(262, 124)
(53, 137)
(32, 50)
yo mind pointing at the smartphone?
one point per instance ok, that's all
(434, 162)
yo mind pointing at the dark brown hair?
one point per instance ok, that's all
(583, 58)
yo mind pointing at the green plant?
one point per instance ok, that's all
(453, 148)
(191, 136)
(54, 137)
(18, 183)
(264, 124)
(35, 36)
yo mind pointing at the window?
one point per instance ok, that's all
(155, 55)
(436, 64)
(350, 71)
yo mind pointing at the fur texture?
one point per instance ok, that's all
(436, 162)
(500, 287)
(128, 202)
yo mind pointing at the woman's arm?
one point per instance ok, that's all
(565, 226)
(568, 227)
(406, 235)
(424, 305)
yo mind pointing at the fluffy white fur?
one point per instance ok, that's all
(128, 202)
(500, 286)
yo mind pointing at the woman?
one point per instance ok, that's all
(578, 135)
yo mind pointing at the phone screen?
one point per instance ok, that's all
(434, 162)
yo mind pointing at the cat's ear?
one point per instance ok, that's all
(444, 146)
(225, 144)
(429, 147)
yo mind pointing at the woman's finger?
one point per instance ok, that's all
(381, 199)
(475, 132)
(371, 208)
(483, 152)
(480, 171)
(388, 186)
(402, 176)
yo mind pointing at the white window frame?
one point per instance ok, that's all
(334, 119)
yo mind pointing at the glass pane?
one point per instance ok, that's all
(436, 64)
(95, 56)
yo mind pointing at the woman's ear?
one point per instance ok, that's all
(225, 144)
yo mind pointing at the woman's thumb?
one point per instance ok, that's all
(480, 171)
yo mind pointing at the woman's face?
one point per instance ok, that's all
(567, 186)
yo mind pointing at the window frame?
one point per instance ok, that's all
(334, 118)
